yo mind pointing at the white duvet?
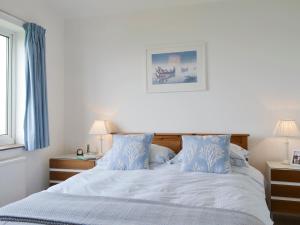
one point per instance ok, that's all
(242, 190)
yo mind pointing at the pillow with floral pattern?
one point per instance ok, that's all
(130, 152)
(208, 153)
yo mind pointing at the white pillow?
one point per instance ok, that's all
(160, 154)
(238, 152)
(238, 156)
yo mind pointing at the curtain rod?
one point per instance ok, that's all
(11, 15)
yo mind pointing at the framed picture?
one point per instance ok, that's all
(295, 159)
(176, 68)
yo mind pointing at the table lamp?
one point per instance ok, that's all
(99, 128)
(286, 129)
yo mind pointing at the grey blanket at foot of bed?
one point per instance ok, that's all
(61, 209)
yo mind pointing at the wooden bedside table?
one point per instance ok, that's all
(283, 188)
(64, 167)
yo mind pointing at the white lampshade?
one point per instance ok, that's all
(99, 127)
(286, 128)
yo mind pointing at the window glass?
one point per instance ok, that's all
(4, 42)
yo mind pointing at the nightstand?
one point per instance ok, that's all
(283, 188)
(64, 167)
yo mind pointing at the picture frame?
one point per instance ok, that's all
(177, 68)
(295, 159)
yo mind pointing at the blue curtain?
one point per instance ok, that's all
(36, 126)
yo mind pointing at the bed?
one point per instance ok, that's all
(162, 195)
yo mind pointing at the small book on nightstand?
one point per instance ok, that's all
(89, 156)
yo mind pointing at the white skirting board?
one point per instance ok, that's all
(12, 180)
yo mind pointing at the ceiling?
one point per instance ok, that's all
(92, 8)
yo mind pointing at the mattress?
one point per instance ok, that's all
(242, 190)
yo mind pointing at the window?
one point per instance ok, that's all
(6, 123)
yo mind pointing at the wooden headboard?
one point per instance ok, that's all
(174, 141)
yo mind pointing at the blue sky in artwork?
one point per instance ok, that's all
(185, 57)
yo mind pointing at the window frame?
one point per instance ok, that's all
(9, 138)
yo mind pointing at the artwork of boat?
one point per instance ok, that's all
(190, 79)
(184, 69)
(163, 74)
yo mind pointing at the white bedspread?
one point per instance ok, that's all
(242, 190)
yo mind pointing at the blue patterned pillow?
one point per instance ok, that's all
(130, 152)
(206, 153)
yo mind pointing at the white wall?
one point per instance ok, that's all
(37, 162)
(253, 72)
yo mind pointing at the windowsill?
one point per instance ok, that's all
(10, 147)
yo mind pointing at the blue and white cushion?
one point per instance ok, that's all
(206, 153)
(130, 152)
(238, 156)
